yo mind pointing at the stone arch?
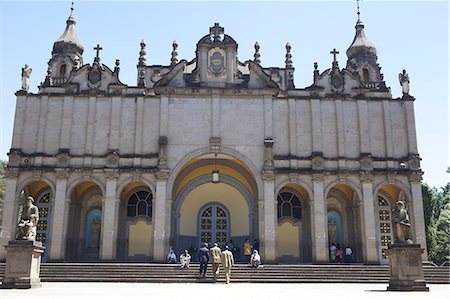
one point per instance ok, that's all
(30, 179)
(89, 196)
(299, 182)
(344, 197)
(207, 150)
(123, 184)
(130, 228)
(400, 185)
(72, 184)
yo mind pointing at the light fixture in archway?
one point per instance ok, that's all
(215, 172)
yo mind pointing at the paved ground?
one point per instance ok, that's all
(54, 290)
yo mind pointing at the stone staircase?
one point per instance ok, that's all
(115, 272)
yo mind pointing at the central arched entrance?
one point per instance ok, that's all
(214, 224)
(210, 212)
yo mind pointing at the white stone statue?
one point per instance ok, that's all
(404, 82)
(26, 72)
(27, 227)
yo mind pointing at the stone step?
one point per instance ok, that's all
(117, 272)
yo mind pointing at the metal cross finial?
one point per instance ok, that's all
(334, 52)
(71, 9)
(98, 48)
(357, 6)
(216, 31)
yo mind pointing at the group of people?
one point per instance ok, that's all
(218, 257)
(338, 255)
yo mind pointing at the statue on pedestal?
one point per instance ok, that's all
(27, 227)
(403, 78)
(26, 72)
(401, 224)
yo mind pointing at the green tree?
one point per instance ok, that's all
(437, 222)
(2, 188)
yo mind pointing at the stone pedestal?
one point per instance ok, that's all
(23, 263)
(405, 266)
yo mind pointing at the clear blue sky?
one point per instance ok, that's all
(411, 35)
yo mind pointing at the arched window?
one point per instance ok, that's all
(289, 205)
(140, 204)
(62, 70)
(365, 75)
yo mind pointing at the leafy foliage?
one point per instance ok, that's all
(437, 222)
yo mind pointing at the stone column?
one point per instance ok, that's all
(416, 217)
(60, 204)
(10, 206)
(109, 219)
(319, 221)
(269, 229)
(370, 250)
(160, 233)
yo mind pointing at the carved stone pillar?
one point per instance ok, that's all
(268, 154)
(319, 221)
(60, 203)
(160, 230)
(109, 218)
(269, 217)
(162, 154)
(10, 206)
(370, 251)
(417, 218)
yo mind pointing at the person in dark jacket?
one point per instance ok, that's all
(203, 256)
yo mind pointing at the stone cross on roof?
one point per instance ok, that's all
(216, 31)
(97, 48)
(334, 52)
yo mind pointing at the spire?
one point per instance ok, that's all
(288, 60)
(360, 45)
(68, 42)
(257, 56)
(174, 58)
(142, 54)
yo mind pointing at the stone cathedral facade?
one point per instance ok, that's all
(213, 149)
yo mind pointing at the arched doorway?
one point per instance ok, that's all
(214, 212)
(214, 224)
(344, 218)
(84, 225)
(292, 229)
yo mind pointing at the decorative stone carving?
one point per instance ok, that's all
(317, 161)
(288, 60)
(27, 226)
(415, 177)
(268, 175)
(26, 161)
(318, 177)
(215, 144)
(112, 158)
(62, 157)
(268, 153)
(62, 174)
(414, 162)
(366, 177)
(111, 174)
(366, 162)
(11, 173)
(14, 157)
(162, 152)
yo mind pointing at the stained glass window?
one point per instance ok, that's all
(140, 204)
(289, 205)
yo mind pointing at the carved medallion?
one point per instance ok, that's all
(216, 61)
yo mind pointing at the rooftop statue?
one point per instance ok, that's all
(26, 72)
(404, 82)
